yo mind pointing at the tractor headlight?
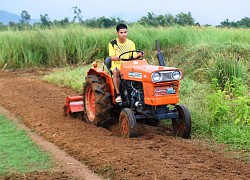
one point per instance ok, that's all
(176, 75)
(156, 77)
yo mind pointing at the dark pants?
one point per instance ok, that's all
(107, 62)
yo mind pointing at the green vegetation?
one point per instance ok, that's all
(18, 153)
(151, 19)
(76, 44)
(70, 77)
(218, 115)
(52, 48)
(215, 62)
(243, 23)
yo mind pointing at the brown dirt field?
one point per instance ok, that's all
(155, 154)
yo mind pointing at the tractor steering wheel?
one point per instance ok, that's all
(131, 57)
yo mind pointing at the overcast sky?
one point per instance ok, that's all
(203, 11)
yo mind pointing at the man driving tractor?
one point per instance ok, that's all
(116, 48)
(143, 92)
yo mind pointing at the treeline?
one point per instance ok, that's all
(243, 23)
(151, 19)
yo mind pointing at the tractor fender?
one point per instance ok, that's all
(109, 81)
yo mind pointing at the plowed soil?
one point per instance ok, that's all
(154, 154)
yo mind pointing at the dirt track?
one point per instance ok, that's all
(155, 154)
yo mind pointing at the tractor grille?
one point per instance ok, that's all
(166, 90)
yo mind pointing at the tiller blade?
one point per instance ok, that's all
(73, 105)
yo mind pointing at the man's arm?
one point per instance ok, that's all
(114, 58)
(138, 55)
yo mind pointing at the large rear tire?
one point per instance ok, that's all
(127, 123)
(96, 100)
(182, 125)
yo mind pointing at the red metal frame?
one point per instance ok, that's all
(73, 104)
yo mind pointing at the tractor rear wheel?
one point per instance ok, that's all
(96, 100)
(127, 123)
(182, 125)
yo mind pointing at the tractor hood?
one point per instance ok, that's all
(143, 66)
(140, 69)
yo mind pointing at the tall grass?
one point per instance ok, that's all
(57, 47)
(52, 47)
(225, 68)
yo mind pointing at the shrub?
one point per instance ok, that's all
(218, 107)
(225, 69)
(242, 110)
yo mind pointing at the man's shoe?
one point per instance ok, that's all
(118, 99)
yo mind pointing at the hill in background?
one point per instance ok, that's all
(6, 17)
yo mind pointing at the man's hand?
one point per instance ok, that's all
(140, 54)
(113, 58)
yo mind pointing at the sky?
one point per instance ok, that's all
(203, 11)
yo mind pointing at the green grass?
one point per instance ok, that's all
(57, 47)
(18, 153)
(193, 95)
(236, 136)
(208, 119)
(52, 47)
(69, 77)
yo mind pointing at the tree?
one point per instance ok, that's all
(170, 20)
(167, 19)
(243, 23)
(12, 24)
(63, 22)
(106, 22)
(77, 14)
(150, 19)
(225, 23)
(161, 20)
(2, 27)
(45, 20)
(103, 22)
(185, 19)
(25, 17)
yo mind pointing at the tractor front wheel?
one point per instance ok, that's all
(127, 123)
(182, 125)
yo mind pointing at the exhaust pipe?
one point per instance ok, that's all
(160, 54)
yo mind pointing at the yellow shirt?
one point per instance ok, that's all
(116, 49)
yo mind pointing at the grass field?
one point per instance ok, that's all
(18, 153)
(77, 44)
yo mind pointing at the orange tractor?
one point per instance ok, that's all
(149, 93)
